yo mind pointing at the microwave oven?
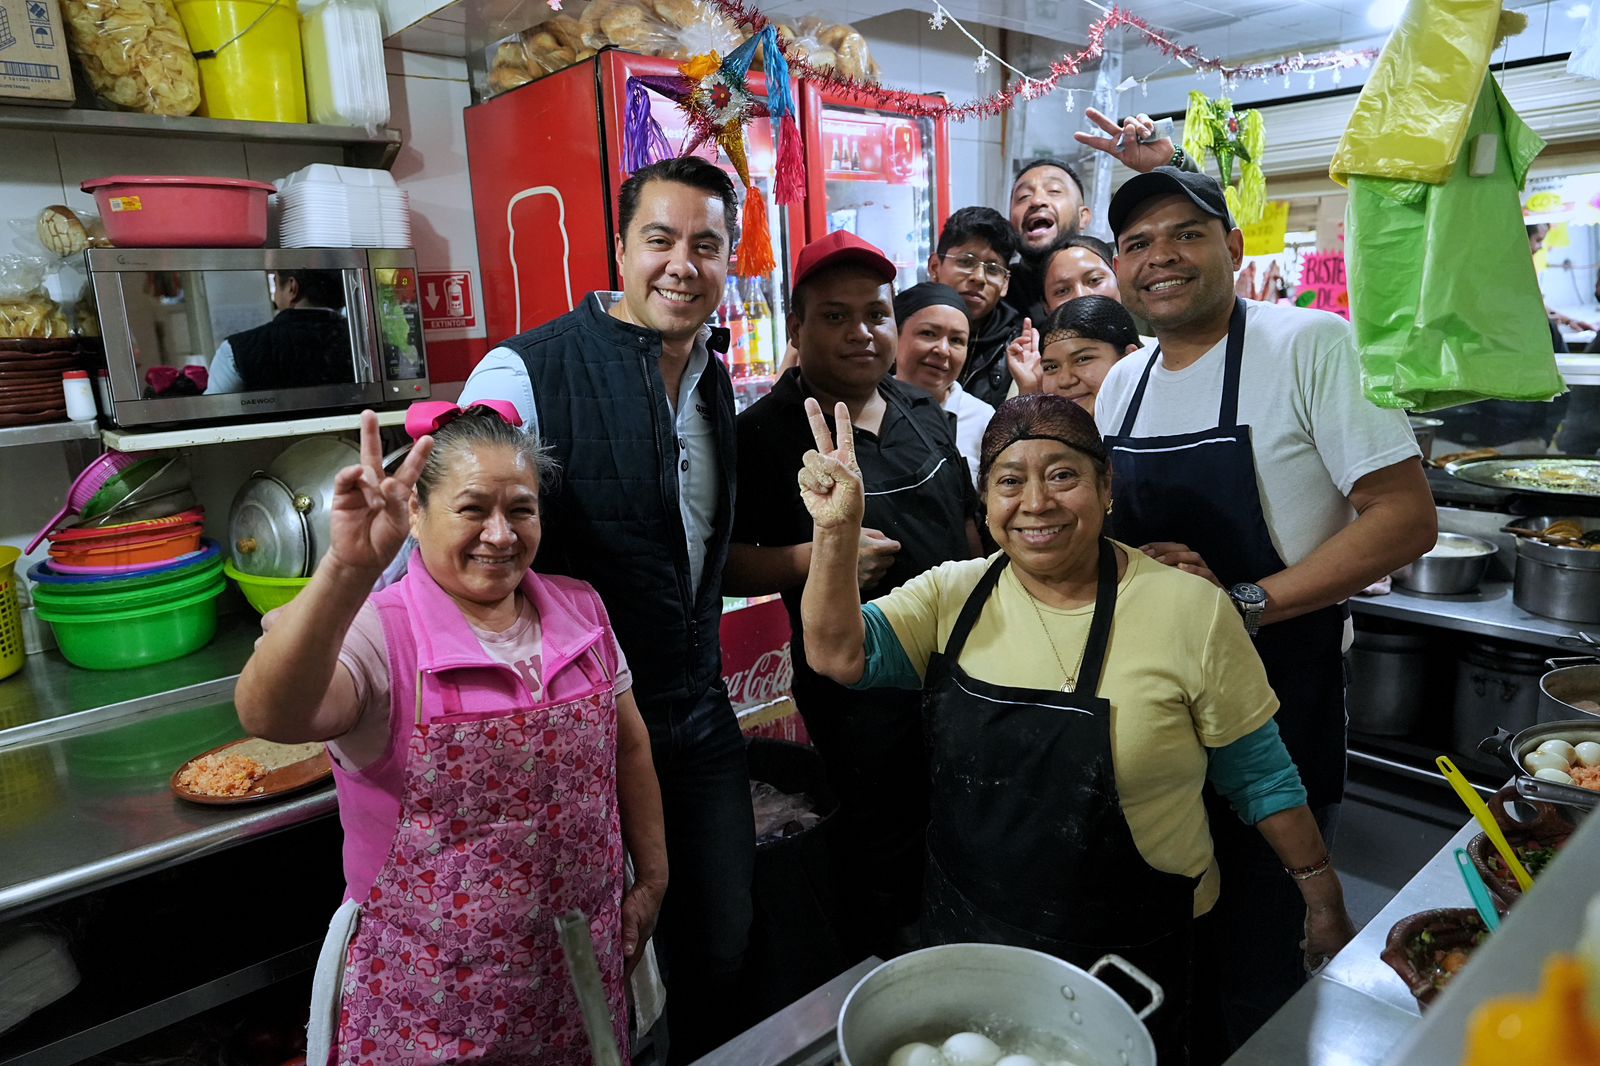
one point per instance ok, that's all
(201, 334)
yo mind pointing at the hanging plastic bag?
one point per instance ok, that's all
(26, 311)
(135, 54)
(835, 46)
(346, 83)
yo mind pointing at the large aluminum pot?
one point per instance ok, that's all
(1009, 993)
(278, 526)
(1514, 747)
(1568, 682)
(1555, 581)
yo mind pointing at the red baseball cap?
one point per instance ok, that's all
(838, 247)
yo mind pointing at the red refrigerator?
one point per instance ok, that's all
(545, 161)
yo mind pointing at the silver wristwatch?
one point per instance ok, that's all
(1251, 600)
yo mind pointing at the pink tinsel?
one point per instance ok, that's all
(791, 176)
(857, 91)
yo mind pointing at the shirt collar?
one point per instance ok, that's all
(697, 357)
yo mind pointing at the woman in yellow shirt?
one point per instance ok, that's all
(1077, 698)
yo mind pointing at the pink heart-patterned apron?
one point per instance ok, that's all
(506, 822)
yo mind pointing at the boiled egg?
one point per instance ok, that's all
(1560, 777)
(971, 1049)
(1588, 753)
(1019, 1060)
(1535, 761)
(917, 1054)
(1561, 748)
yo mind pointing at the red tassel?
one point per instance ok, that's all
(790, 180)
(755, 238)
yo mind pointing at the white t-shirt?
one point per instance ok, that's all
(972, 418)
(1312, 431)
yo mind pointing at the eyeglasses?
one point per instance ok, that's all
(969, 264)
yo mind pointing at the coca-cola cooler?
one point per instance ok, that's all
(546, 162)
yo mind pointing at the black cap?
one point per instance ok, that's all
(1202, 189)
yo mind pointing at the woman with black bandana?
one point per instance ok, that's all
(935, 335)
(1076, 698)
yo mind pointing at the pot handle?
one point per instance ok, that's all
(1157, 997)
(1571, 660)
(1499, 745)
(1533, 788)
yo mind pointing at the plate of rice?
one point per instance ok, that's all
(251, 770)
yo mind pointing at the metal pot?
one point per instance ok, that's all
(1496, 688)
(278, 526)
(931, 994)
(1513, 747)
(1388, 682)
(1424, 429)
(1568, 681)
(1455, 564)
(1554, 581)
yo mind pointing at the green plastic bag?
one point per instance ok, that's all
(1444, 300)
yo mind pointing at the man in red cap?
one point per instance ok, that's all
(920, 508)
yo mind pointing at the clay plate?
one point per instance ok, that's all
(295, 777)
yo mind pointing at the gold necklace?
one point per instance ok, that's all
(1071, 682)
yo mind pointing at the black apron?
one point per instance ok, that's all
(871, 741)
(1200, 489)
(1027, 842)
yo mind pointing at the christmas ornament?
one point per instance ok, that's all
(713, 92)
(1214, 128)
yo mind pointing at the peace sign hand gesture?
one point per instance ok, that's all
(830, 480)
(369, 519)
(1133, 141)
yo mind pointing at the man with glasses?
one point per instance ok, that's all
(971, 257)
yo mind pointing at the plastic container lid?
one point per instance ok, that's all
(175, 179)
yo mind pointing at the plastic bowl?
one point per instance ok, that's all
(121, 640)
(266, 593)
(43, 574)
(87, 599)
(130, 549)
(182, 212)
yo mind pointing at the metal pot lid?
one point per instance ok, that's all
(267, 534)
(1555, 475)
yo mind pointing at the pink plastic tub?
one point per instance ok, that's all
(182, 212)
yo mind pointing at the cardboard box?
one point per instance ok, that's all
(34, 68)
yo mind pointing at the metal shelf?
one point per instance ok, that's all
(138, 440)
(48, 433)
(361, 148)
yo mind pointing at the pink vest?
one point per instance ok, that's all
(423, 629)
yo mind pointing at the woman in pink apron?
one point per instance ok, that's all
(490, 761)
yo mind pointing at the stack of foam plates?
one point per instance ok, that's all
(327, 206)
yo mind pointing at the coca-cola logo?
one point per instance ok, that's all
(770, 676)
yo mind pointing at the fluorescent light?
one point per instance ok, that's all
(1578, 11)
(1383, 14)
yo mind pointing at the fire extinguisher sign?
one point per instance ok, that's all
(447, 300)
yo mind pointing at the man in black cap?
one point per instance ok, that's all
(920, 508)
(1243, 450)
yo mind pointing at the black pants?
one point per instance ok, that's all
(705, 920)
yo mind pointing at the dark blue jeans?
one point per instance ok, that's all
(705, 919)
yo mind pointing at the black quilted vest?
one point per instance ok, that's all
(300, 346)
(613, 518)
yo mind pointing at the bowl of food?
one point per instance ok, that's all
(1556, 762)
(1455, 564)
(1429, 948)
(1535, 853)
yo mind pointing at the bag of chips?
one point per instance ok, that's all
(135, 54)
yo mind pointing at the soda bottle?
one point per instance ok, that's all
(732, 317)
(758, 319)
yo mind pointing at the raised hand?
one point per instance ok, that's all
(830, 480)
(368, 521)
(1129, 142)
(1022, 355)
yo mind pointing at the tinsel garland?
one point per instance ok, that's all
(856, 90)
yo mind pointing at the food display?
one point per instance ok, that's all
(135, 53)
(1565, 533)
(1563, 476)
(221, 775)
(34, 317)
(1427, 950)
(1567, 763)
(250, 769)
(675, 29)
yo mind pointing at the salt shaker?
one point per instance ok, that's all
(80, 395)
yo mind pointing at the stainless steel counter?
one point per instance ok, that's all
(89, 807)
(1357, 1009)
(1488, 612)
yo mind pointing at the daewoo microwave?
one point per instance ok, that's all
(197, 334)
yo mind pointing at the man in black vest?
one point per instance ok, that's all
(306, 343)
(629, 393)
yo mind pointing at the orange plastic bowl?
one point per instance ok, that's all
(182, 212)
(130, 550)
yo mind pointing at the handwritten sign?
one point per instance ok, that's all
(1266, 237)
(1323, 284)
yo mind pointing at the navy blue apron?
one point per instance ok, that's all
(1027, 841)
(1200, 489)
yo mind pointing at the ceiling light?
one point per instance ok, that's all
(1383, 14)
(1578, 11)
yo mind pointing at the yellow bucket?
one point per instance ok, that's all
(249, 56)
(10, 613)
